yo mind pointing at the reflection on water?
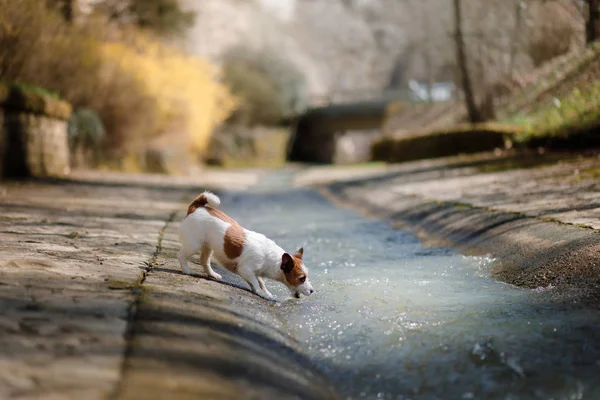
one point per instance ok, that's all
(391, 319)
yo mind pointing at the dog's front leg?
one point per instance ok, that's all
(252, 280)
(263, 287)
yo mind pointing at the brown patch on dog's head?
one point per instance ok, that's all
(292, 268)
(299, 253)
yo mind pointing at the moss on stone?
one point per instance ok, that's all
(119, 285)
(459, 139)
(34, 100)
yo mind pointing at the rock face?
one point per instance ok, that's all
(33, 135)
(341, 46)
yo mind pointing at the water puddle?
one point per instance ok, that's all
(391, 319)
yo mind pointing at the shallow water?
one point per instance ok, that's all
(391, 319)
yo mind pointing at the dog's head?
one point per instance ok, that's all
(296, 274)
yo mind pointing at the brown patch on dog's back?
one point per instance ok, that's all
(215, 212)
(292, 268)
(233, 243)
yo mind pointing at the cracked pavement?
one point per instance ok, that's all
(92, 303)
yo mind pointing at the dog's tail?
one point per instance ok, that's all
(203, 199)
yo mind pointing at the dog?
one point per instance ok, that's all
(253, 256)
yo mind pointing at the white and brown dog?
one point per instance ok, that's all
(251, 255)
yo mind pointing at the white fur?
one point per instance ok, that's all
(260, 258)
(212, 199)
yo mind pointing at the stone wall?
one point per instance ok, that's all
(33, 134)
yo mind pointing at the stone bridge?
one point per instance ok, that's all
(336, 133)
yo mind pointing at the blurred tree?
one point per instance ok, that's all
(287, 84)
(162, 16)
(65, 7)
(461, 59)
(593, 20)
(165, 17)
(259, 105)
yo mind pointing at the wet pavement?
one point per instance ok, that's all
(392, 319)
(94, 306)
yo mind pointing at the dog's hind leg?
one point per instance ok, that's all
(183, 256)
(205, 254)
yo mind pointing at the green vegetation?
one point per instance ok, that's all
(258, 95)
(32, 89)
(576, 112)
(549, 78)
(558, 109)
(34, 99)
(461, 139)
(270, 88)
(242, 147)
(129, 87)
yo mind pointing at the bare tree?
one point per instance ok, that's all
(65, 7)
(593, 19)
(461, 59)
(517, 31)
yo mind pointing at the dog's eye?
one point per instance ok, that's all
(303, 279)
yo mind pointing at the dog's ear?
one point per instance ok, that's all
(287, 263)
(299, 253)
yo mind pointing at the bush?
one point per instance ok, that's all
(189, 99)
(460, 139)
(265, 78)
(128, 112)
(238, 146)
(39, 48)
(578, 111)
(257, 94)
(86, 134)
(140, 88)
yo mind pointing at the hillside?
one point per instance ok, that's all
(338, 45)
(535, 93)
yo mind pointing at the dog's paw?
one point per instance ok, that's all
(187, 272)
(215, 276)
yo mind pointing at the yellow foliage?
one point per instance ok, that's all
(186, 88)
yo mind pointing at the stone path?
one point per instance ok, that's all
(557, 188)
(92, 303)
